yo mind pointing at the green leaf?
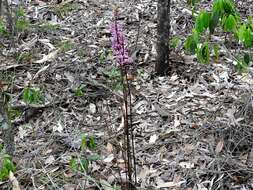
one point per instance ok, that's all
(191, 42)
(174, 42)
(203, 53)
(245, 36)
(73, 164)
(79, 91)
(248, 38)
(246, 58)
(92, 144)
(1, 147)
(22, 25)
(202, 21)
(228, 7)
(84, 164)
(31, 96)
(94, 157)
(214, 21)
(20, 12)
(216, 51)
(190, 45)
(241, 66)
(2, 27)
(4, 173)
(218, 7)
(84, 142)
(230, 23)
(6, 166)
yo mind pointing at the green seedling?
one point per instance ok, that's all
(62, 10)
(202, 21)
(243, 63)
(216, 52)
(80, 91)
(174, 43)
(14, 113)
(223, 14)
(241, 66)
(25, 57)
(230, 23)
(31, 95)
(83, 142)
(81, 52)
(21, 23)
(82, 163)
(88, 142)
(203, 53)
(3, 30)
(91, 143)
(48, 27)
(66, 46)
(245, 35)
(104, 54)
(6, 166)
(191, 42)
(114, 78)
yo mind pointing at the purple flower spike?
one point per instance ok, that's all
(119, 43)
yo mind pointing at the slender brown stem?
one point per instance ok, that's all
(131, 131)
(126, 127)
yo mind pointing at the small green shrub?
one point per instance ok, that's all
(21, 23)
(82, 163)
(25, 57)
(203, 53)
(31, 95)
(114, 78)
(6, 165)
(79, 91)
(14, 113)
(48, 27)
(66, 46)
(104, 54)
(192, 41)
(62, 10)
(174, 42)
(225, 15)
(3, 30)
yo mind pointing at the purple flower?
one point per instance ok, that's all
(119, 43)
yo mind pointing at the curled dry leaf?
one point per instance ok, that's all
(219, 146)
(14, 181)
(48, 57)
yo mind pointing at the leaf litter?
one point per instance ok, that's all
(193, 129)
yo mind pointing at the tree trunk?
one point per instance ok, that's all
(163, 35)
(6, 127)
(0, 7)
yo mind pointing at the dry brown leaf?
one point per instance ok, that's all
(219, 146)
(69, 187)
(109, 158)
(14, 181)
(109, 147)
(48, 57)
(187, 165)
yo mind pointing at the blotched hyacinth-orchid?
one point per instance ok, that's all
(119, 43)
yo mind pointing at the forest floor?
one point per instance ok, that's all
(192, 128)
